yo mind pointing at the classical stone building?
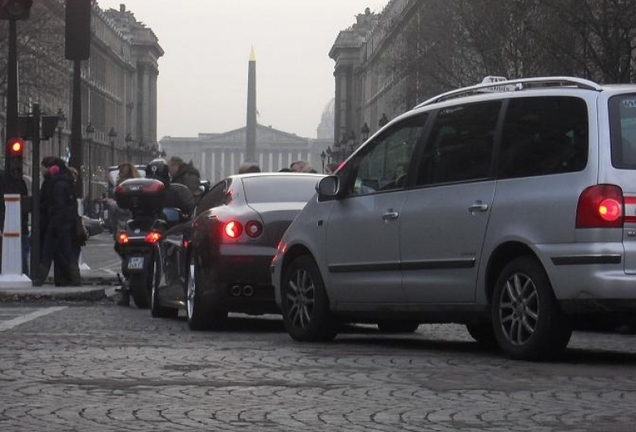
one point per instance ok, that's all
(118, 85)
(367, 91)
(219, 155)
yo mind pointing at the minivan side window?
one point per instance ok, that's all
(460, 145)
(544, 135)
(623, 130)
(383, 163)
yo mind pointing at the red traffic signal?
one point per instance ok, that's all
(16, 148)
(15, 9)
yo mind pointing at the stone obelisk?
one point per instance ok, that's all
(250, 142)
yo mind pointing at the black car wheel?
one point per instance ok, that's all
(156, 309)
(305, 305)
(201, 316)
(527, 320)
(138, 284)
(390, 326)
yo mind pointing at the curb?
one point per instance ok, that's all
(93, 289)
(55, 293)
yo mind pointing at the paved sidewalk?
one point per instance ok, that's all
(96, 285)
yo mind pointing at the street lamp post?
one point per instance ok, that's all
(352, 141)
(343, 147)
(90, 130)
(61, 122)
(112, 134)
(129, 141)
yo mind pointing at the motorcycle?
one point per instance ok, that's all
(135, 243)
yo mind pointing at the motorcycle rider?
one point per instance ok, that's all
(176, 196)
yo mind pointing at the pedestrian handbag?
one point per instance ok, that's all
(80, 234)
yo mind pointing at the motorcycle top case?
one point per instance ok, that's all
(140, 193)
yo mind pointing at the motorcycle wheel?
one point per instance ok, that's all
(138, 284)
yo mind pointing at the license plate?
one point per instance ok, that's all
(135, 263)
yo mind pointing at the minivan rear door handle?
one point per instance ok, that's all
(390, 215)
(478, 207)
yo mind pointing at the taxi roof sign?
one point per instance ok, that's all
(492, 79)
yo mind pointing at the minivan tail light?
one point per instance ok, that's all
(600, 206)
(630, 210)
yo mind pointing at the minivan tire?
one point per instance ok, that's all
(527, 320)
(305, 305)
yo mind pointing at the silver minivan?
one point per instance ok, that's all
(509, 207)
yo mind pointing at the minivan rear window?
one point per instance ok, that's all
(623, 131)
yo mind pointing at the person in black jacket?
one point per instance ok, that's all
(177, 194)
(61, 218)
(185, 174)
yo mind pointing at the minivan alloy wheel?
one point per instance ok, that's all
(300, 299)
(305, 305)
(519, 308)
(527, 319)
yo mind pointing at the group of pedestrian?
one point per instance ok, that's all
(296, 166)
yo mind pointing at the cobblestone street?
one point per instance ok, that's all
(100, 367)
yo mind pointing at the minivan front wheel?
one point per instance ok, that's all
(527, 320)
(305, 305)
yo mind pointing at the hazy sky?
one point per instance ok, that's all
(202, 83)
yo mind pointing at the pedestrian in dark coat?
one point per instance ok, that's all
(61, 219)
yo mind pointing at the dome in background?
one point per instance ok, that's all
(325, 128)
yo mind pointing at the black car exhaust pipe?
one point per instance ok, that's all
(235, 291)
(248, 290)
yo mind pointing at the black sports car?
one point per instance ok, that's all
(219, 261)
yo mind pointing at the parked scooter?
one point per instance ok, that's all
(135, 244)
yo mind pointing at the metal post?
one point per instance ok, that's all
(35, 196)
(12, 104)
(90, 175)
(76, 127)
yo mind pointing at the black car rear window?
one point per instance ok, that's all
(623, 130)
(282, 188)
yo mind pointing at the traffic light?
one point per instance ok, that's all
(15, 9)
(15, 153)
(78, 30)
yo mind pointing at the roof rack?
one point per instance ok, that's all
(514, 85)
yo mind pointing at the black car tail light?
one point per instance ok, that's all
(122, 238)
(253, 229)
(600, 206)
(233, 229)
